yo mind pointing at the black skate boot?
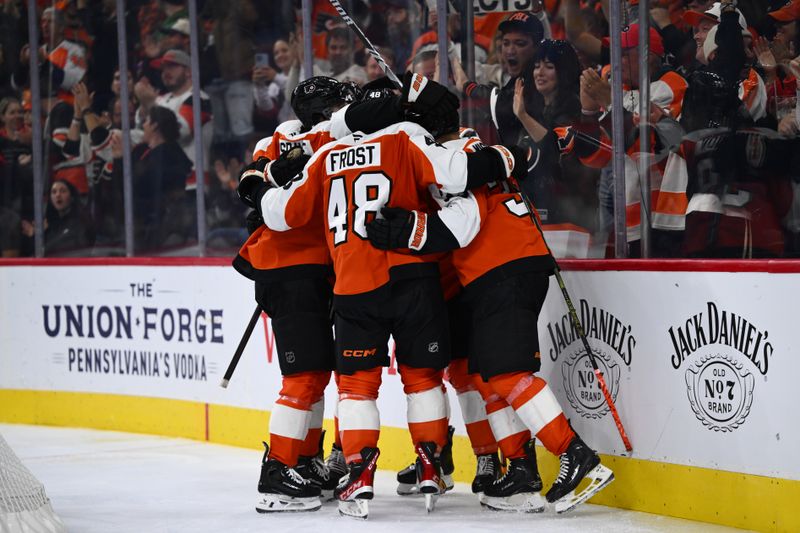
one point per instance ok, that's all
(314, 469)
(407, 480)
(487, 471)
(429, 474)
(446, 458)
(336, 464)
(578, 462)
(519, 489)
(282, 489)
(355, 490)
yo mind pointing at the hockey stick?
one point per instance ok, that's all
(240, 349)
(367, 44)
(574, 316)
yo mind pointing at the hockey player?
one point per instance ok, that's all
(505, 273)
(381, 293)
(485, 415)
(292, 273)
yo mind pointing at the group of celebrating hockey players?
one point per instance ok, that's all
(377, 209)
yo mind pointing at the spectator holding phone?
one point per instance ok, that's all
(268, 83)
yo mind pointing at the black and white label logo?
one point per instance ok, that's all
(612, 343)
(720, 348)
(580, 382)
(720, 392)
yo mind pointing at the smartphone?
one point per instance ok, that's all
(262, 60)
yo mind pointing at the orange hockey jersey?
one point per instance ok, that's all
(273, 255)
(348, 182)
(508, 242)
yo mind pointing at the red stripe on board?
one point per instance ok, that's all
(206, 421)
(118, 261)
(773, 266)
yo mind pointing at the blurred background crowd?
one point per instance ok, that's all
(722, 162)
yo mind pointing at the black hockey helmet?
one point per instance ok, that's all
(710, 102)
(351, 92)
(315, 99)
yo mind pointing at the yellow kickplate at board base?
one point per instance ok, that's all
(726, 498)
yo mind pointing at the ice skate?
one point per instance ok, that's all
(314, 469)
(336, 464)
(407, 477)
(407, 481)
(429, 474)
(487, 471)
(577, 463)
(282, 489)
(355, 490)
(520, 487)
(446, 459)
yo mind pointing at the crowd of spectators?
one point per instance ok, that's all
(724, 170)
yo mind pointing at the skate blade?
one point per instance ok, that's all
(273, 503)
(519, 503)
(430, 502)
(600, 477)
(354, 509)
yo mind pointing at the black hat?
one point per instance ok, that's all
(523, 22)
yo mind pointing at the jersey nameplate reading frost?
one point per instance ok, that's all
(367, 155)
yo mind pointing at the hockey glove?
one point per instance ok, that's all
(522, 161)
(251, 180)
(395, 229)
(287, 166)
(421, 96)
(253, 221)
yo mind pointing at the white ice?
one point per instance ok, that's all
(105, 481)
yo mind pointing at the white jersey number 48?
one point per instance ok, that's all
(370, 192)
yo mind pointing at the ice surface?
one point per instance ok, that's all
(105, 481)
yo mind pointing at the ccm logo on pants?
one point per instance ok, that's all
(359, 353)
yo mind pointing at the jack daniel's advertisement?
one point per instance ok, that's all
(612, 342)
(719, 350)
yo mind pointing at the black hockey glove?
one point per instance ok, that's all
(253, 221)
(522, 161)
(421, 96)
(393, 230)
(251, 180)
(287, 166)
